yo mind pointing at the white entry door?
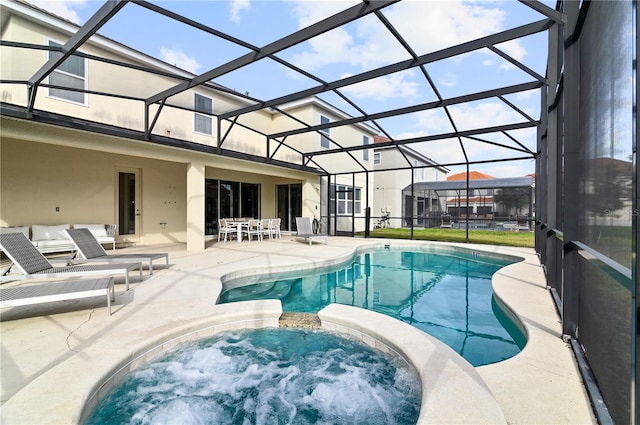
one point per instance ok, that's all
(128, 200)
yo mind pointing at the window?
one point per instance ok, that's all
(415, 169)
(365, 152)
(377, 160)
(203, 119)
(71, 73)
(348, 200)
(324, 138)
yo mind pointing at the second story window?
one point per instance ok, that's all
(376, 158)
(324, 138)
(203, 116)
(71, 73)
(365, 152)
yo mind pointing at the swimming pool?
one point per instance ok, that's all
(267, 376)
(447, 295)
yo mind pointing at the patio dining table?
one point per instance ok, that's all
(240, 224)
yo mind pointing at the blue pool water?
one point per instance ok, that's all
(267, 376)
(446, 295)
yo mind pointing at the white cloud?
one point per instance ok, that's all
(448, 80)
(62, 8)
(514, 49)
(237, 6)
(466, 117)
(426, 25)
(180, 59)
(389, 86)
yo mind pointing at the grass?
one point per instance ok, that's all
(489, 237)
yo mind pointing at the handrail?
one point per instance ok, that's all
(615, 270)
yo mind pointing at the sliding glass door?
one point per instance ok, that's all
(289, 205)
(227, 199)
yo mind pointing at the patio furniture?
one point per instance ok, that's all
(446, 222)
(91, 251)
(33, 265)
(57, 291)
(228, 228)
(274, 228)
(305, 231)
(265, 224)
(252, 228)
(522, 223)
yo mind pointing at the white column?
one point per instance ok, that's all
(195, 206)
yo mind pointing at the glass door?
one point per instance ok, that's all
(129, 204)
(225, 199)
(211, 207)
(289, 204)
(229, 199)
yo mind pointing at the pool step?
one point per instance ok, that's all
(300, 320)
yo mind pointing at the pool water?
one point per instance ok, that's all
(448, 296)
(267, 376)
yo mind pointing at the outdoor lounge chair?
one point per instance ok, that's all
(58, 291)
(91, 251)
(305, 231)
(446, 222)
(33, 265)
(522, 223)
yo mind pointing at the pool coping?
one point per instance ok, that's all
(103, 349)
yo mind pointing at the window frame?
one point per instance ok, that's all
(365, 152)
(325, 133)
(82, 78)
(197, 114)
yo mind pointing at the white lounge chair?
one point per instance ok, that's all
(57, 291)
(305, 231)
(91, 251)
(446, 222)
(33, 265)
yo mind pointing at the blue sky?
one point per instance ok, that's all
(428, 25)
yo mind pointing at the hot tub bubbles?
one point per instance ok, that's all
(267, 376)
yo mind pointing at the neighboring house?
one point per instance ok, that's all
(480, 201)
(388, 199)
(483, 199)
(84, 156)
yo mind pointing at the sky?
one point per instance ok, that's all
(427, 25)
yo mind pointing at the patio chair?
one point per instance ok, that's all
(252, 229)
(91, 251)
(265, 229)
(305, 231)
(274, 228)
(33, 265)
(58, 291)
(446, 222)
(522, 223)
(227, 229)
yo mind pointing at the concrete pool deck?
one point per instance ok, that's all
(54, 355)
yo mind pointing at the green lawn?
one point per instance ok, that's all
(490, 237)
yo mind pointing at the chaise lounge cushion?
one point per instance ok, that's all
(41, 232)
(97, 230)
(51, 238)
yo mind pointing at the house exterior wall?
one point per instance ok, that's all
(126, 113)
(36, 178)
(56, 156)
(389, 184)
